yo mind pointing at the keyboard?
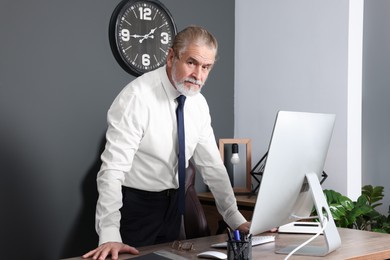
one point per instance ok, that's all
(256, 240)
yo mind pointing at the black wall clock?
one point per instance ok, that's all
(141, 33)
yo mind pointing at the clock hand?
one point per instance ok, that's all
(136, 36)
(149, 35)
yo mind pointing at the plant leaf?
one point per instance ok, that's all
(373, 194)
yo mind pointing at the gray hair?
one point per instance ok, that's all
(193, 35)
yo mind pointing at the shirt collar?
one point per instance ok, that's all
(169, 88)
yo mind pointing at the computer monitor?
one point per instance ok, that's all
(290, 183)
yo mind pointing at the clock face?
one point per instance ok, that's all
(141, 33)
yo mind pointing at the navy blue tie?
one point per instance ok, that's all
(182, 157)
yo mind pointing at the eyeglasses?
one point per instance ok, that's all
(186, 246)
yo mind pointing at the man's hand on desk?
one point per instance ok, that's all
(244, 228)
(110, 248)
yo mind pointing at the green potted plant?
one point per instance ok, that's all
(360, 214)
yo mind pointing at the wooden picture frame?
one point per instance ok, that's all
(247, 142)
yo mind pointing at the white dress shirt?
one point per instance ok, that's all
(141, 150)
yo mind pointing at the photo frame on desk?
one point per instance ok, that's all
(248, 161)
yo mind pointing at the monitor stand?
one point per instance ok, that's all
(331, 235)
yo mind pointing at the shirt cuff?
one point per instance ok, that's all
(235, 220)
(109, 235)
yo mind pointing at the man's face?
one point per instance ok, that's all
(189, 72)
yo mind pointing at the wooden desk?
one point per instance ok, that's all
(245, 204)
(355, 245)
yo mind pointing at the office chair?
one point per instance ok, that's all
(195, 222)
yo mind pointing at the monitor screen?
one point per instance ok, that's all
(298, 147)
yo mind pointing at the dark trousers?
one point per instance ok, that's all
(149, 218)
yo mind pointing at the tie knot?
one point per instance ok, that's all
(181, 99)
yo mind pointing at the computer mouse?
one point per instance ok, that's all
(212, 255)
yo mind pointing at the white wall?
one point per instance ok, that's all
(293, 55)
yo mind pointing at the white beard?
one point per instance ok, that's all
(187, 91)
(182, 88)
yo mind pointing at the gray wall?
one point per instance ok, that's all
(376, 95)
(57, 80)
(292, 55)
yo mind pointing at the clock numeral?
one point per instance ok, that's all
(164, 38)
(125, 35)
(144, 13)
(145, 60)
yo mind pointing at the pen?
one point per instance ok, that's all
(239, 246)
(232, 242)
(237, 236)
(229, 232)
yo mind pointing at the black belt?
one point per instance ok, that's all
(163, 193)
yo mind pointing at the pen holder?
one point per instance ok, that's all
(239, 250)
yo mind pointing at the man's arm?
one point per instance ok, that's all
(210, 165)
(123, 137)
